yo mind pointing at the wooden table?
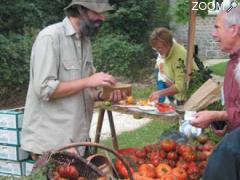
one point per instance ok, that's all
(110, 109)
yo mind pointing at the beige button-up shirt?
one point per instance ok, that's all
(57, 55)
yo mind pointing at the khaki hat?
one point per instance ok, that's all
(99, 6)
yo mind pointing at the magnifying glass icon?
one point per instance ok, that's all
(233, 4)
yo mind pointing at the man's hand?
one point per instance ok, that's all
(116, 96)
(220, 132)
(203, 119)
(101, 79)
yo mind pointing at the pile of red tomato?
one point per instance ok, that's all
(167, 160)
(163, 107)
(68, 172)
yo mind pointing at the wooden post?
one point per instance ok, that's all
(99, 128)
(191, 35)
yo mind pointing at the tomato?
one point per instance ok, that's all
(147, 170)
(193, 173)
(132, 158)
(102, 178)
(126, 151)
(168, 145)
(180, 173)
(202, 139)
(154, 155)
(208, 153)
(163, 107)
(162, 154)
(137, 176)
(162, 169)
(202, 165)
(155, 147)
(172, 156)
(155, 162)
(154, 158)
(201, 156)
(183, 148)
(208, 147)
(147, 149)
(200, 147)
(189, 156)
(121, 169)
(140, 153)
(171, 163)
(140, 161)
(182, 164)
(68, 171)
(82, 178)
(168, 176)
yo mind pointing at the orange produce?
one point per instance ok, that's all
(130, 100)
(143, 102)
(147, 170)
(68, 171)
(169, 176)
(180, 173)
(138, 176)
(162, 169)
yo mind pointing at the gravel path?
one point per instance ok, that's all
(123, 122)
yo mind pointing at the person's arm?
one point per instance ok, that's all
(44, 67)
(164, 92)
(72, 87)
(204, 118)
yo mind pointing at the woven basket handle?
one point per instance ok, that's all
(119, 156)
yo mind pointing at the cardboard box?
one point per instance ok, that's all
(11, 118)
(127, 88)
(10, 137)
(12, 168)
(28, 167)
(13, 153)
(9, 175)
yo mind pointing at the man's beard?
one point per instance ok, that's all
(89, 28)
(237, 73)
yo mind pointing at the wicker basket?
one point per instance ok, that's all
(85, 168)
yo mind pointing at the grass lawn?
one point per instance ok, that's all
(147, 134)
(218, 69)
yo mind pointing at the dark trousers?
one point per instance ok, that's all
(224, 163)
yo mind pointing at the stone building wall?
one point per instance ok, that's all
(207, 47)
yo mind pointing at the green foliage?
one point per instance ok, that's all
(131, 16)
(135, 20)
(14, 60)
(114, 54)
(144, 93)
(197, 79)
(44, 12)
(15, 15)
(217, 106)
(212, 136)
(181, 10)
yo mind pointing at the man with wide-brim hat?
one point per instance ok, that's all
(62, 87)
(99, 6)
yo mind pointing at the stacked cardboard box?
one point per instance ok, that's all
(13, 159)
